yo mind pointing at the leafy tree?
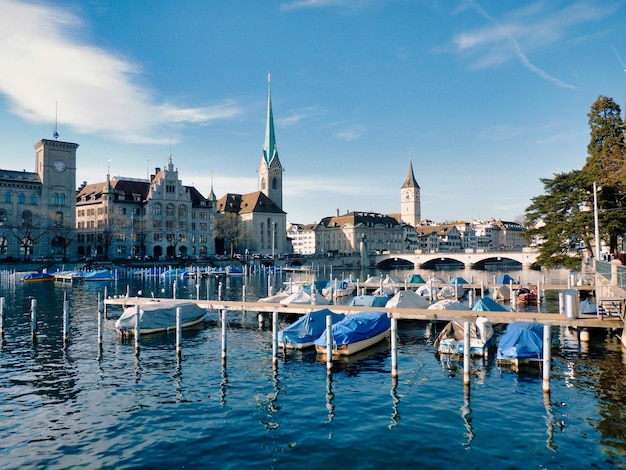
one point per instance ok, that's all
(559, 217)
(229, 227)
(565, 212)
(606, 165)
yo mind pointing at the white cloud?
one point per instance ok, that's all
(44, 61)
(524, 30)
(351, 134)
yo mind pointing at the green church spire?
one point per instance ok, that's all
(269, 148)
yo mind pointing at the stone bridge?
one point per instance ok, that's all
(527, 258)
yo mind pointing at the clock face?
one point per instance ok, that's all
(59, 166)
(407, 195)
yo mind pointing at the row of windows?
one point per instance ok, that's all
(57, 199)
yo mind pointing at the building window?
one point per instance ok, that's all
(169, 210)
(182, 211)
(156, 209)
(21, 199)
(55, 199)
(122, 211)
(4, 246)
(3, 217)
(158, 237)
(27, 218)
(7, 197)
(61, 199)
(33, 199)
(58, 218)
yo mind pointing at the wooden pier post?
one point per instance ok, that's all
(1, 317)
(99, 324)
(33, 317)
(547, 357)
(137, 329)
(219, 291)
(466, 353)
(66, 319)
(329, 343)
(179, 333)
(105, 304)
(197, 291)
(224, 336)
(275, 337)
(174, 290)
(394, 347)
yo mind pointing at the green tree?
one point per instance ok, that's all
(606, 165)
(559, 217)
(564, 214)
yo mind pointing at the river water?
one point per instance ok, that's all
(78, 406)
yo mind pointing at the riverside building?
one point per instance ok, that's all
(38, 209)
(138, 218)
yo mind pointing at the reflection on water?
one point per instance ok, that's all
(93, 404)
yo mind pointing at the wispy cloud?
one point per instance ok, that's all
(343, 4)
(299, 115)
(523, 31)
(44, 60)
(350, 134)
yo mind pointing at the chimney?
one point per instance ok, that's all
(336, 212)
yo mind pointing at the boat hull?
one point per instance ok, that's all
(352, 348)
(156, 317)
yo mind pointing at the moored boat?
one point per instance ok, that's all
(451, 340)
(156, 316)
(521, 343)
(307, 329)
(38, 277)
(355, 333)
(100, 275)
(527, 294)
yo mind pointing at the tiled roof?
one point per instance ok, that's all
(247, 203)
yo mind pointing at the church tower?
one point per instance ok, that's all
(270, 169)
(410, 199)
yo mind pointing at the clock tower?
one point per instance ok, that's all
(56, 167)
(410, 204)
(270, 169)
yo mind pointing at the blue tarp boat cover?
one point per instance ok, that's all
(99, 275)
(357, 327)
(369, 301)
(487, 304)
(308, 328)
(415, 279)
(522, 340)
(505, 279)
(319, 285)
(458, 280)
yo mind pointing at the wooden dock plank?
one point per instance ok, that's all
(586, 321)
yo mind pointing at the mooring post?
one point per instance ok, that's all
(137, 329)
(33, 316)
(329, 343)
(219, 292)
(66, 319)
(179, 330)
(197, 291)
(269, 285)
(243, 293)
(275, 337)
(224, 336)
(466, 353)
(99, 324)
(394, 347)
(482, 288)
(547, 357)
(1, 317)
(174, 290)
(105, 301)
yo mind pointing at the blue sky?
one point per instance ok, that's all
(485, 97)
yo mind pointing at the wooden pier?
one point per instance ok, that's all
(584, 321)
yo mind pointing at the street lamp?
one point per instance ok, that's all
(595, 221)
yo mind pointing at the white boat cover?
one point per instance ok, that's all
(159, 315)
(303, 297)
(407, 299)
(448, 304)
(276, 298)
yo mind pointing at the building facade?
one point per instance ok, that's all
(343, 234)
(133, 218)
(37, 209)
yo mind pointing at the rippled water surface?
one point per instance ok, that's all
(78, 406)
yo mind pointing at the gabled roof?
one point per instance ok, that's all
(440, 230)
(353, 219)
(255, 202)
